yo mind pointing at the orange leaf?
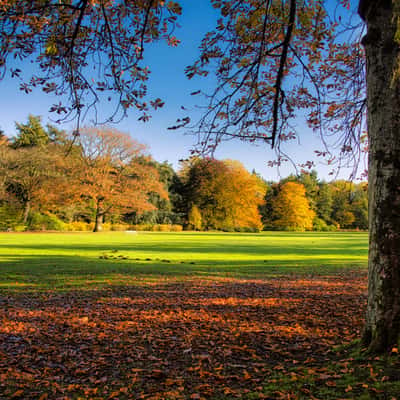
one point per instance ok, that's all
(348, 389)
(18, 393)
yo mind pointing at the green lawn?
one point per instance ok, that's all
(61, 260)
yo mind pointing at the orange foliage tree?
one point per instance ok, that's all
(36, 176)
(292, 209)
(115, 173)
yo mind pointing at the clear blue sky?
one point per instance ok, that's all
(168, 82)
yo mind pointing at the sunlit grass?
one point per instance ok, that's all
(61, 260)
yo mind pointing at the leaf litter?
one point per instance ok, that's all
(188, 339)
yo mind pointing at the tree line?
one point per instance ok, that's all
(48, 180)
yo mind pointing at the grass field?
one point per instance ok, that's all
(61, 260)
(187, 316)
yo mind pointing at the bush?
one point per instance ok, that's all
(106, 226)
(155, 228)
(79, 226)
(321, 226)
(120, 227)
(228, 229)
(19, 228)
(247, 229)
(45, 222)
(9, 217)
(140, 227)
(164, 228)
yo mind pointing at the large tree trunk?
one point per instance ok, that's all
(381, 43)
(98, 226)
(27, 209)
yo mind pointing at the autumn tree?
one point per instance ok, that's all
(194, 218)
(224, 192)
(165, 211)
(113, 174)
(270, 58)
(34, 176)
(291, 208)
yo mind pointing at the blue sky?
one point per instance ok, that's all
(168, 82)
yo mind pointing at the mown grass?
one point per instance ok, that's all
(41, 261)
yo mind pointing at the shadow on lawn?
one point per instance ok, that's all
(30, 273)
(286, 250)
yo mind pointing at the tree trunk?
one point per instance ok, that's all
(27, 209)
(98, 226)
(382, 329)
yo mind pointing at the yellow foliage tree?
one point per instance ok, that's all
(292, 209)
(225, 193)
(241, 196)
(194, 218)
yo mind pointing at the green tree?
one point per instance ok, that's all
(31, 134)
(324, 202)
(359, 206)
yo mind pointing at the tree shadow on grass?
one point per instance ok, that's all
(37, 272)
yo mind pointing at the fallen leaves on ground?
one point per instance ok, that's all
(192, 339)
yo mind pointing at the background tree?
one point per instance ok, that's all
(291, 208)
(165, 211)
(113, 174)
(342, 193)
(359, 206)
(35, 177)
(31, 134)
(194, 218)
(224, 192)
(324, 201)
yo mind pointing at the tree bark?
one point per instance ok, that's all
(382, 329)
(27, 209)
(98, 226)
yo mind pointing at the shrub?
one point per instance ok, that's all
(106, 226)
(79, 226)
(19, 228)
(141, 227)
(120, 227)
(9, 217)
(248, 229)
(176, 228)
(228, 229)
(321, 226)
(45, 222)
(155, 227)
(164, 228)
